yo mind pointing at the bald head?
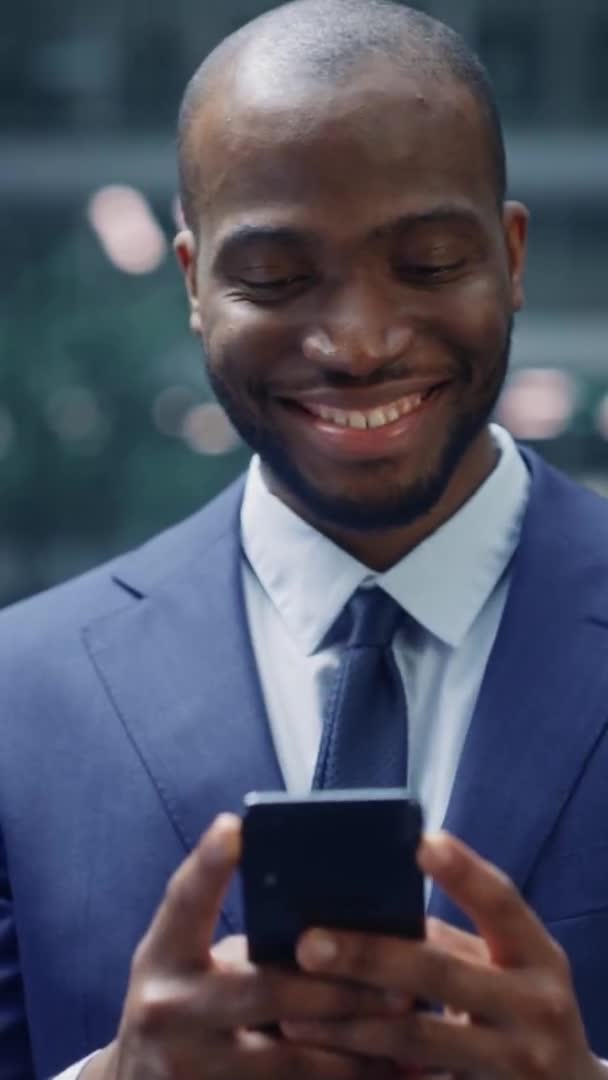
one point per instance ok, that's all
(325, 40)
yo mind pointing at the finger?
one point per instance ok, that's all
(221, 1001)
(417, 969)
(285, 1061)
(255, 1056)
(420, 1039)
(180, 935)
(457, 942)
(514, 935)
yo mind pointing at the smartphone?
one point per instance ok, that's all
(336, 859)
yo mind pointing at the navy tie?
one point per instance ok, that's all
(364, 740)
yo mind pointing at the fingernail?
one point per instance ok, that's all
(224, 838)
(317, 948)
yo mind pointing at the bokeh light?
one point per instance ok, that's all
(73, 413)
(170, 407)
(538, 403)
(127, 229)
(207, 430)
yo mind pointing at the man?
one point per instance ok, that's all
(353, 270)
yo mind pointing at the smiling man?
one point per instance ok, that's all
(353, 269)
(353, 266)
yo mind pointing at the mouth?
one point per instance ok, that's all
(365, 433)
(377, 417)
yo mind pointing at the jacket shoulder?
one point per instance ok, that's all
(570, 509)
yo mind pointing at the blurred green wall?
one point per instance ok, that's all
(106, 430)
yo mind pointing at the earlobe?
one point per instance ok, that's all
(196, 326)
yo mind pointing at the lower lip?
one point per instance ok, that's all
(365, 444)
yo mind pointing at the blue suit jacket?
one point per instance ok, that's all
(131, 714)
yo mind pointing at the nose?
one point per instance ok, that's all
(361, 333)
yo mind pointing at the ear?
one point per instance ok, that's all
(515, 223)
(184, 247)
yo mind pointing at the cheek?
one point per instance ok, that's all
(239, 336)
(480, 318)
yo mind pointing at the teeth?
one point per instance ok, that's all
(357, 420)
(378, 418)
(407, 405)
(375, 418)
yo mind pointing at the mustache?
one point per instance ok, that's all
(461, 367)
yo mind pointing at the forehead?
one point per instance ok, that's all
(376, 143)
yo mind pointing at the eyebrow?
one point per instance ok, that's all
(445, 213)
(251, 234)
(284, 235)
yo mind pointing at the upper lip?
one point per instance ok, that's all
(363, 398)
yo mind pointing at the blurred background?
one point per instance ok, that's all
(107, 429)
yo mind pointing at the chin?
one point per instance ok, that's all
(361, 511)
(393, 495)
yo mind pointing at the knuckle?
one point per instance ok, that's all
(536, 1058)
(502, 896)
(246, 997)
(557, 1005)
(560, 959)
(151, 1009)
(236, 1000)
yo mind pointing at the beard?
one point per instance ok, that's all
(396, 505)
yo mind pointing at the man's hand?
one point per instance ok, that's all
(510, 1009)
(193, 1011)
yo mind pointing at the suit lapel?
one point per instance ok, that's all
(542, 703)
(180, 670)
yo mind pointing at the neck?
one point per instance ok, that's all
(382, 549)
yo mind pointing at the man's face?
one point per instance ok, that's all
(356, 286)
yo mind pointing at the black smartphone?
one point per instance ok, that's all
(336, 859)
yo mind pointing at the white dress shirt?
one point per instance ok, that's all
(454, 586)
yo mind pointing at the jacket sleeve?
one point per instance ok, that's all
(15, 1054)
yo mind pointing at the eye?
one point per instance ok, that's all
(274, 290)
(430, 271)
(276, 283)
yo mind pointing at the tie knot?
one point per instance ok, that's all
(375, 617)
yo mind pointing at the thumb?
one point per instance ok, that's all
(181, 932)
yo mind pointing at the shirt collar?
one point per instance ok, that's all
(443, 583)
